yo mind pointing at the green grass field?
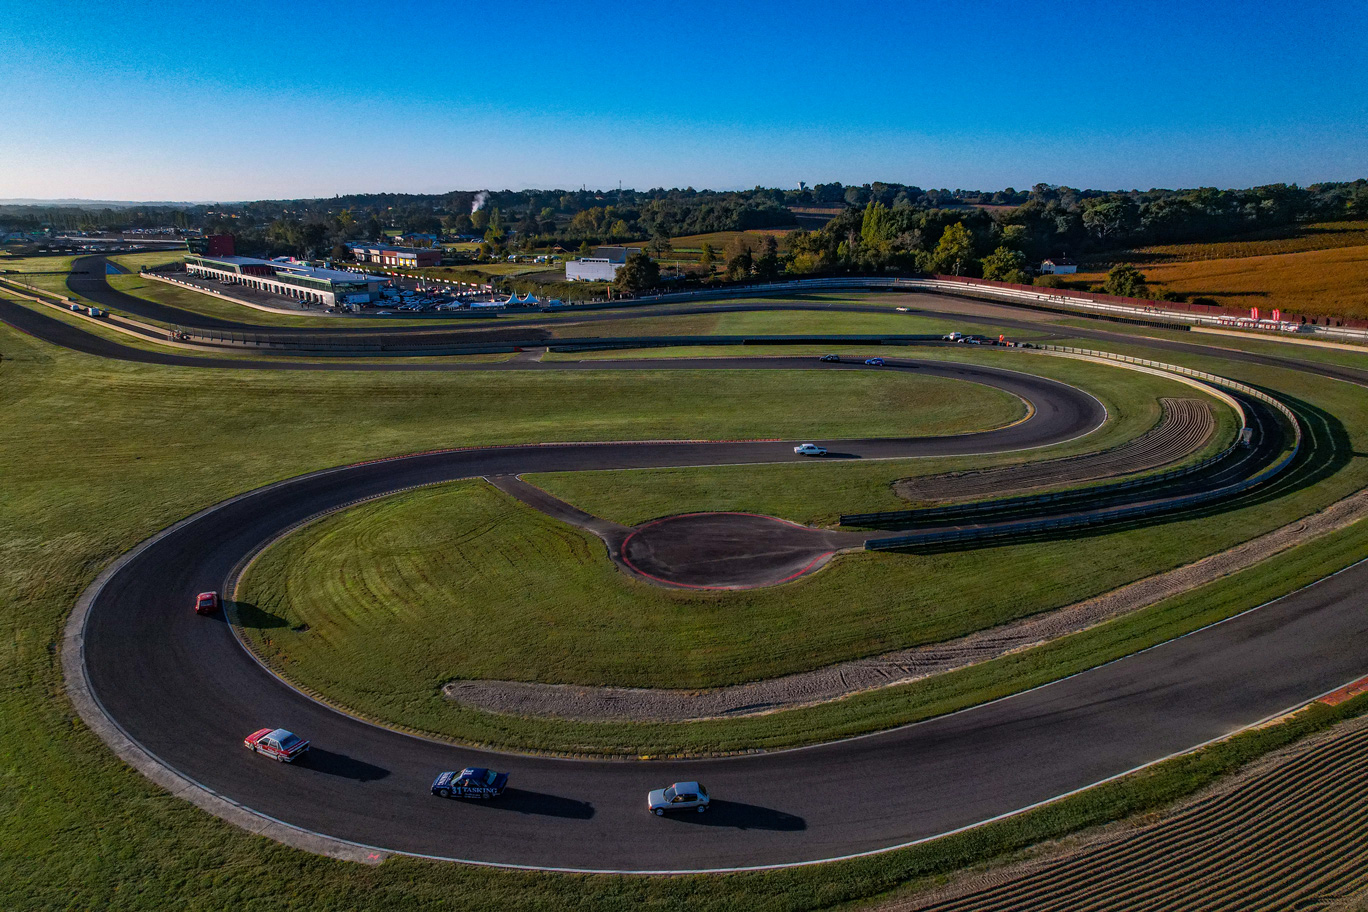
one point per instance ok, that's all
(818, 492)
(775, 322)
(135, 261)
(56, 263)
(97, 455)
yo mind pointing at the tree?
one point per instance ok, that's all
(1016, 237)
(1005, 265)
(955, 250)
(1126, 281)
(479, 219)
(660, 242)
(585, 249)
(739, 266)
(639, 273)
(708, 255)
(1111, 219)
(767, 264)
(876, 225)
(457, 223)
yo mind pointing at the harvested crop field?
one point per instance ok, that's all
(1284, 836)
(1320, 236)
(1321, 283)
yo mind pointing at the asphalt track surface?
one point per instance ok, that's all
(183, 688)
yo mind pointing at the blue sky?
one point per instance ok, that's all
(170, 101)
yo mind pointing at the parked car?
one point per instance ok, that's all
(206, 603)
(682, 796)
(831, 358)
(277, 743)
(876, 362)
(809, 449)
(471, 782)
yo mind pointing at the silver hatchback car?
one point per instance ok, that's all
(682, 796)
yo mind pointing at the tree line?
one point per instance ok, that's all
(879, 226)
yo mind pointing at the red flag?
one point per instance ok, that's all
(1253, 313)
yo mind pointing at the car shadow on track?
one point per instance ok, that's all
(331, 764)
(525, 802)
(740, 816)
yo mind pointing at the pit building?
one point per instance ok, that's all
(329, 287)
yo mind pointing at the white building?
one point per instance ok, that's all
(1058, 266)
(601, 267)
(292, 280)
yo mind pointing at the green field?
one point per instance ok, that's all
(135, 261)
(97, 455)
(818, 492)
(768, 322)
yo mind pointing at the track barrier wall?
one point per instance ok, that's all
(1108, 514)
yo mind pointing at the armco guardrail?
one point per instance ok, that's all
(1015, 503)
(1123, 511)
(1012, 503)
(1152, 312)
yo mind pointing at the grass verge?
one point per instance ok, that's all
(393, 655)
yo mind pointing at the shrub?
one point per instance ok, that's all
(1124, 280)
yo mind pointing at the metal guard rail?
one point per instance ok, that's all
(1124, 511)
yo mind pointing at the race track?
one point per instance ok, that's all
(182, 688)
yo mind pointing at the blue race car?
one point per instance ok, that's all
(471, 782)
(877, 362)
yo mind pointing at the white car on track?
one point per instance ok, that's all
(809, 449)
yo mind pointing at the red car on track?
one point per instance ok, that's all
(284, 746)
(206, 603)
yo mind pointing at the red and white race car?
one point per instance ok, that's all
(284, 746)
(206, 603)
